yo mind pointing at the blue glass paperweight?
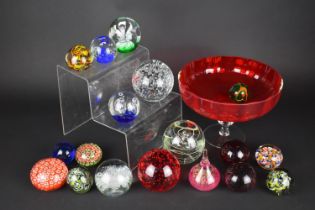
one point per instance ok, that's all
(103, 49)
(65, 152)
(124, 106)
(126, 117)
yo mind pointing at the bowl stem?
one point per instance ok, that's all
(225, 128)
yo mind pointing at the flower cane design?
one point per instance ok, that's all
(88, 154)
(80, 180)
(278, 181)
(49, 174)
(269, 157)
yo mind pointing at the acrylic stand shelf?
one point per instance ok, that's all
(84, 96)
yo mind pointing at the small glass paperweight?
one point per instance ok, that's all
(84, 96)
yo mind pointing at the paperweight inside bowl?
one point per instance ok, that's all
(205, 86)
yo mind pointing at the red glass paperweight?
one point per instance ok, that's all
(234, 151)
(240, 177)
(158, 170)
(205, 86)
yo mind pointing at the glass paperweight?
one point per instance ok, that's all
(84, 97)
(238, 93)
(79, 58)
(49, 174)
(204, 176)
(113, 178)
(204, 85)
(124, 106)
(158, 170)
(65, 152)
(268, 156)
(153, 80)
(240, 177)
(234, 151)
(279, 181)
(80, 180)
(185, 140)
(103, 49)
(88, 154)
(126, 34)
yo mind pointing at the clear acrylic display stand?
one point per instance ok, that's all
(84, 96)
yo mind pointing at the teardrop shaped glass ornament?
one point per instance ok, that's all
(204, 176)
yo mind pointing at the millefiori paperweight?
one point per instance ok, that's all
(49, 174)
(279, 181)
(268, 156)
(88, 154)
(80, 180)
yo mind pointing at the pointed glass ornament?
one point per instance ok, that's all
(204, 176)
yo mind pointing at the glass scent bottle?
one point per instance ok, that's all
(204, 176)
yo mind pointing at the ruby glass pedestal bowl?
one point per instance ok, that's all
(204, 86)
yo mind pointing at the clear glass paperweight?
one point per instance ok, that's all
(84, 96)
